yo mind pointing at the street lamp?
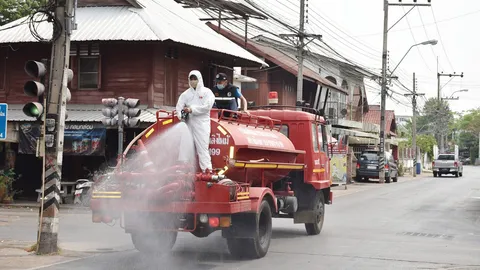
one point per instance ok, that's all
(428, 42)
(451, 96)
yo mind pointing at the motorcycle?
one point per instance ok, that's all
(83, 190)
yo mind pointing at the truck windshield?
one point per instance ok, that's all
(446, 157)
(369, 156)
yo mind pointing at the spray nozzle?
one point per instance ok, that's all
(184, 115)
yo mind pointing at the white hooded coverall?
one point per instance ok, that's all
(200, 101)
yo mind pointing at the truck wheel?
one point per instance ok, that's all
(257, 247)
(201, 232)
(154, 243)
(318, 205)
(387, 180)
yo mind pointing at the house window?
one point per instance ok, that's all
(89, 72)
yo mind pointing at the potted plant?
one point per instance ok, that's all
(7, 177)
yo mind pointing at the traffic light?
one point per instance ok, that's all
(35, 88)
(110, 111)
(131, 112)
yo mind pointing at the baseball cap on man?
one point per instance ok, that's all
(221, 77)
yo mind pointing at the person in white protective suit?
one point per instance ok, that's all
(197, 102)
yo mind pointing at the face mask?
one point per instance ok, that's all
(194, 83)
(220, 86)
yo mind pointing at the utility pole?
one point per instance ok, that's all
(414, 123)
(383, 93)
(120, 123)
(301, 44)
(300, 50)
(57, 97)
(439, 96)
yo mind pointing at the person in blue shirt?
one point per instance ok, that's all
(227, 95)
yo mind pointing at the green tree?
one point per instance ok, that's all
(468, 130)
(426, 143)
(436, 118)
(11, 10)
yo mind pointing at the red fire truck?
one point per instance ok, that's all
(273, 163)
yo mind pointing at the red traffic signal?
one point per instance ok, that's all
(35, 69)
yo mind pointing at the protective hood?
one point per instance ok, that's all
(200, 84)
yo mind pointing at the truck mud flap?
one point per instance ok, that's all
(305, 216)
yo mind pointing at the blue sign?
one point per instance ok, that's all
(3, 120)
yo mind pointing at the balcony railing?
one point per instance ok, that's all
(336, 110)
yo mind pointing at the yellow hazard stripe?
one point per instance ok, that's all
(268, 166)
(106, 197)
(223, 131)
(293, 167)
(149, 133)
(243, 193)
(107, 192)
(243, 198)
(318, 170)
(166, 122)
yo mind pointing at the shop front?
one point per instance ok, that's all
(83, 153)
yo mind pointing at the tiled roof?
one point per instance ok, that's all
(373, 117)
(80, 113)
(158, 20)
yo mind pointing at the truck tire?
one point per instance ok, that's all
(201, 232)
(257, 247)
(154, 243)
(387, 180)
(318, 205)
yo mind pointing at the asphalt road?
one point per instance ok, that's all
(429, 223)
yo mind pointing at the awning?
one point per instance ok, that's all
(354, 133)
(81, 113)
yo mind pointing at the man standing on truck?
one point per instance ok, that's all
(227, 94)
(197, 101)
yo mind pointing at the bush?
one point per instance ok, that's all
(401, 170)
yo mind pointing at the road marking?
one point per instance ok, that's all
(59, 263)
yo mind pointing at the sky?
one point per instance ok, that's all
(354, 28)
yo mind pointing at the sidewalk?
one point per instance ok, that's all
(344, 190)
(36, 205)
(14, 255)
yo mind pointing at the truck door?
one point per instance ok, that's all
(320, 167)
(324, 153)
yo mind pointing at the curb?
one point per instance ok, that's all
(98, 250)
(36, 206)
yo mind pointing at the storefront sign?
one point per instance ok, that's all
(84, 139)
(80, 139)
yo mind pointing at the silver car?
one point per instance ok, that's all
(447, 164)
